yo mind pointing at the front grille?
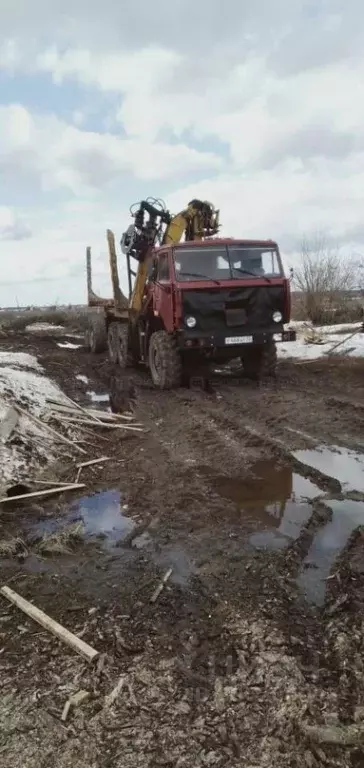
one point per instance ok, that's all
(235, 317)
(248, 306)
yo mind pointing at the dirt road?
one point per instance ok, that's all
(254, 496)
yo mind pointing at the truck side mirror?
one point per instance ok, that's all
(291, 273)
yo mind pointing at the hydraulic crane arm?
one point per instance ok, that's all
(154, 225)
(197, 221)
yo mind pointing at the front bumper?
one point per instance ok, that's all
(231, 338)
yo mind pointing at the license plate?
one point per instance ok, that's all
(239, 340)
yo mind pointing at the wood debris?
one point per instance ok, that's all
(93, 461)
(161, 585)
(49, 429)
(111, 697)
(342, 735)
(74, 701)
(45, 492)
(91, 417)
(48, 623)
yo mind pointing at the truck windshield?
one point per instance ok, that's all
(226, 262)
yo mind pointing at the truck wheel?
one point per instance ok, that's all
(95, 335)
(164, 361)
(260, 362)
(117, 341)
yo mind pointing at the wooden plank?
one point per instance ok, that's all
(104, 424)
(52, 626)
(104, 415)
(73, 403)
(93, 461)
(161, 585)
(46, 492)
(57, 483)
(51, 431)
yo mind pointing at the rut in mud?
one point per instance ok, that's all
(254, 496)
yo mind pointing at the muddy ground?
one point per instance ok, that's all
(252, 655)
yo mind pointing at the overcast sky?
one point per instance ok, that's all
(256, 106)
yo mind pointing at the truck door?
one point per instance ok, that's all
(163, 291)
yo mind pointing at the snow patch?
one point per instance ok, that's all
(29, 446)
(37, 327)
(20, 360)
(330, 335)
(68, 345)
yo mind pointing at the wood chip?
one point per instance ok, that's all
(74, 701)
(111, 697)
(161, 585)
(48, 623)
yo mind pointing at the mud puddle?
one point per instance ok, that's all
(273, 502)
(342, 464)
(105, 518)
(102, 514)
(328, 543)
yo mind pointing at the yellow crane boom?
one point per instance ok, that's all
(154, 225)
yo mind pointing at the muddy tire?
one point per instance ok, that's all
(95, 335)
(165, 362)
(260, 362)
(269, 361)
(122, 394)
(117, 342)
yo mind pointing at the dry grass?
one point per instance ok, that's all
(69, 317)
(344, 310)
(61, 542)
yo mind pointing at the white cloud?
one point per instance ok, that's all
(57, 154)
(12, 227)
(262, 101)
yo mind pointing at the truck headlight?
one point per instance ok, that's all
(277, 317)
(190, 321)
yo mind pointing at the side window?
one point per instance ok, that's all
(163, 267)
(270, 263)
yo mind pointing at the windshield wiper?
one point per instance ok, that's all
(198, 274)
(253, 274)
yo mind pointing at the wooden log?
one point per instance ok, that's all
(46, 428)
(93, 461)
(46, 492)
(56, 405)
(105, 424)
(52, 626)
(74, 405)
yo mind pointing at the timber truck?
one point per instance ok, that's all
(195, 299)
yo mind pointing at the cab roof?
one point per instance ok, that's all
(225, 241)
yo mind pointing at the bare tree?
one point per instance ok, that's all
(324, 277)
